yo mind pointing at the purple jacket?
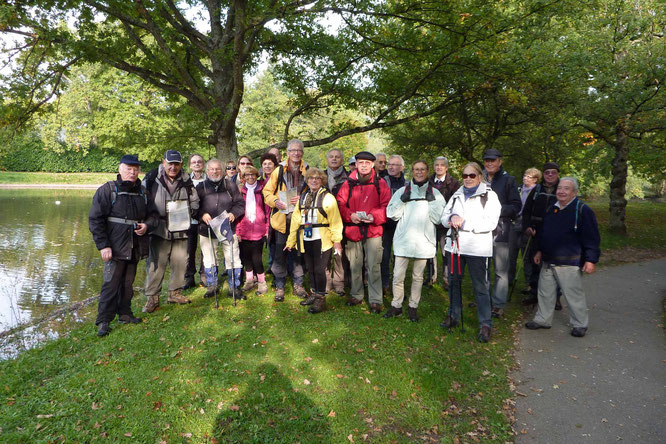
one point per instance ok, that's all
(247, 230)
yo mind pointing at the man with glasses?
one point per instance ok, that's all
(504, 185)
(336, 175)
(533, 214)
(395, 180)
(281, 193)
(380, 165)
(197, 175)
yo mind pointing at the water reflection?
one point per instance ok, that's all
(47, 256)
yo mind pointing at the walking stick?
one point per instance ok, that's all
(522, 262)
(233, 272)
(455, 251)
(210, 239)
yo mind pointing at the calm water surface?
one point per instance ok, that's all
(47, 261)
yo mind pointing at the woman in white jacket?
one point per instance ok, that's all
(417, 207)
(471, 215)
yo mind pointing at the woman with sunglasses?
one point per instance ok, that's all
(230, 169)
(471, 215)
(243, 162)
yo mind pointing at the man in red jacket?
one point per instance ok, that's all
(362, 200)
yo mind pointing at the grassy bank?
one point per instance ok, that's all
(7, 177)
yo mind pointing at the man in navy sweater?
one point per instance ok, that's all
(568, 245)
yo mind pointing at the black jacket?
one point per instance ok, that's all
(110, 200)
(446, 189)
(504, 185)
(214, 198)
(537, 204)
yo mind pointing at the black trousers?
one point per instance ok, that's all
(117, 290)
(316, 262)
(192, 238)
(250, 253)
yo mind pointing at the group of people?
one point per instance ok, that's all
(343, 227)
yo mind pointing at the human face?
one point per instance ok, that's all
(352, 167)
(395, 167)
(267, 166)
(230, 169)
(244, 162)
(440, 168)
(492, 165)
(364, 166)
(420, 172)
(314, 183)
(196, 164)
(172, 169)
(334, 159)
(380, 163)
(551, 176)
(250, 179)
(529, 181)
(214, 171)
(277, 153)
(295, 154)
(565, 192)
(129, 173)
(471, 182)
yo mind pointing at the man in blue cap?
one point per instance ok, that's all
(120, 218)
(177, 202)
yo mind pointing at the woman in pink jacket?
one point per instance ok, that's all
(252, 229)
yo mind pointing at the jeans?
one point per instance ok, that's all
(501, 263)
(478, 271)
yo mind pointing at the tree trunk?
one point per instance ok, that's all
(224, 141)
(618, 185)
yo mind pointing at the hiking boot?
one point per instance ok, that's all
(319, 304)
(279, 295)
(249, 285)
(189, 283)
(353, 301)
(484, 334)
(103, 329)
(176, 297)
(152, 302)
(413, 315)
(299, 291)
(558, 304)
(210, 292)
(392, 311)
(262, 288)
(497, 313)
(449, 322)
(375, 308)
(129, 319)
(310, 300)
(531, 325)
(237, 292)
(578, 332)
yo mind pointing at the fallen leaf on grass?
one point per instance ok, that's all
(165, 318)
(128, 434)
(157, 405)
(234, 408)
(331, 414)
(38, 426)
(306, 382)
(339, 376)
(308, 359)
(485, 373)
(350, 437)
(314, 341)
(96, 406)
(186, 435)
(45, 416)
(220, 404)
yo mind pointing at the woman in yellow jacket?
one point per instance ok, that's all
(316, 228)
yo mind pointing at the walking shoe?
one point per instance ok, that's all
(484, 334)
(309, 301)
(449, 322)
(249, 285)
(262, 288)
(319, 304)
(392, 311)
(104, 329)
(531, 300)
(279, 295)
(299, 291)
(340, 291)
(353, 301)
(375, 308)
(497, 313)
(578, 332)
(558, 304)
(129, 319)
(413, 315)
(210, 292)
(531, 325)
(176, 297)
(152, 302)
(237, 292)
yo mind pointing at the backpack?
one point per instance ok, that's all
(353, 183)
(151, 179)
(115, 193)
(318, 203)
(407, 194)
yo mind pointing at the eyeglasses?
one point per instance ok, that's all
(315, 178)
(231, 168)
(549, 172)
(295, 151)
(245, 163)
(471, 176)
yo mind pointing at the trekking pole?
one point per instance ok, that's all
(233, 272)
(210, 239)
(455, 251)
(522, 262)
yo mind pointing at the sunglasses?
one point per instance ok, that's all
(471, 176)
(231, 168)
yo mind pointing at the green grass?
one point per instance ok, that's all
(264, 372)
(7, 177)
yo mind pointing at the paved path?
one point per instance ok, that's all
(608, 386)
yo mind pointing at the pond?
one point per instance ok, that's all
(48, 261)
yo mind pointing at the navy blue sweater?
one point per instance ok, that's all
(561, 243)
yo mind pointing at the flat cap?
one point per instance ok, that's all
(492, 153)
(130, 159)
(365, 155)
(551, 166)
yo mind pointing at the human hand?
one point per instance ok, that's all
(456, 221)
(280, 205)
(206, 218)
(141, 229)
(589, 267)
(369, 219)
(537, 258)
(355, 218)
(106, 254)
(231, 217)
(530, 232)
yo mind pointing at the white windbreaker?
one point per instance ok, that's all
(476, 234)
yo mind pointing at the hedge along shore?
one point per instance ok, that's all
(50, 186)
